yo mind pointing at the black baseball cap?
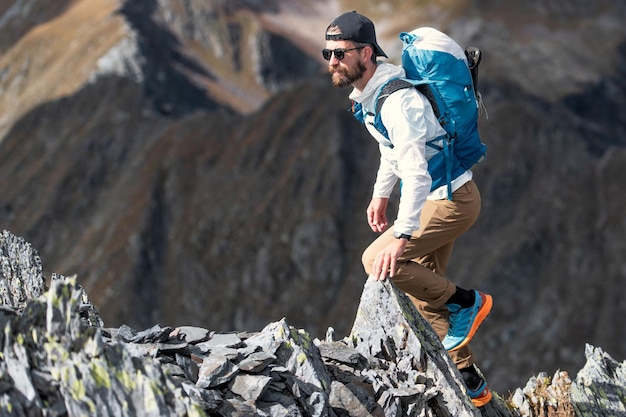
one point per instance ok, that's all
(356, 28)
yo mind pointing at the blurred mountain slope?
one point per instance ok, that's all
(194, 153)
(36, 68)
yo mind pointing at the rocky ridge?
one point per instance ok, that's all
(58, 359)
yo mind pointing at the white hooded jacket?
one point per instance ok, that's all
(410, 123)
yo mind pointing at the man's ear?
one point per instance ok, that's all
(367, 53)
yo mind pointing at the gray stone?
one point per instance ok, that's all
(140, 350)
(263, 341)
(17, 368)
(277, 404)
(235, 407)
(365, 395)
(227, 340)
(345, 402)
(171, 347)
(189, 367)
(599, 386)
(389, 328)
(123, 333)
(317, 405)
(208, 400)
(256, 362)
(21, 277)
(88, 313)
(250, 387)
(193, 335)
(298, 354)
(340, 352)
(216, 370)
(154, 334)
(226, 352)
(173, 370)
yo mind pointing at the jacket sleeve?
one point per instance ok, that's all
(409, 119)
(385, 177)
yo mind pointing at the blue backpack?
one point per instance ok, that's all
(438, 67)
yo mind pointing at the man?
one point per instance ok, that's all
(414, 253)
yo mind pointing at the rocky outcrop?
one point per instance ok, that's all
(58, 359)
(598, 390)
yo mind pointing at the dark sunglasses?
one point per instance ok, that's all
(339, 52)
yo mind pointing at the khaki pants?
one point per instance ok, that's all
(420, 271)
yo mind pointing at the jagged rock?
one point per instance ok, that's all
(57, 362)
(88, 313)
(215, 371)
(21, 277)
(85, 375)
(250, 387)
(599, 390)
(413, 373)
(600, 386)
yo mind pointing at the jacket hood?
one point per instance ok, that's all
(384, 72)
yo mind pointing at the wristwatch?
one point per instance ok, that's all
(402, 236)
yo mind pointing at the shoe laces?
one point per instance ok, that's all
(455, 319)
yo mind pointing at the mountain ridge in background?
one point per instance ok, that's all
(195, 153)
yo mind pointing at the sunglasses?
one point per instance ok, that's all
(339, 52)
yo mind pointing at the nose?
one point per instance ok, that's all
(333, 60)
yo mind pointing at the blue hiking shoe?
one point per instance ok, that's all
(465, 321)
(476, 386)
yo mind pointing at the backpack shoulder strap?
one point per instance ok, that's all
(400, 83)
(387, 89)
(427, 91)
(390, 87)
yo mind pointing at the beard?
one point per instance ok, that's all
(343, 77)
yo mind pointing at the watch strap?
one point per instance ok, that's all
(402, 236)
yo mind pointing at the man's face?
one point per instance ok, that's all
(346, 71)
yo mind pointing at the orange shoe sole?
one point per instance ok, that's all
(484, 311)
(483, 399)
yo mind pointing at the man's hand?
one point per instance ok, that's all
(377, 214)
(385, 261)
